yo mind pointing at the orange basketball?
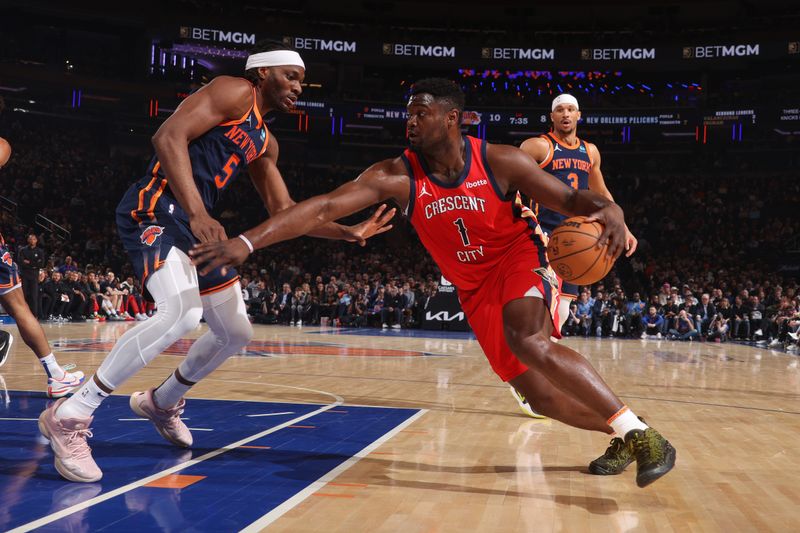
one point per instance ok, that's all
(574, 252)
(5, 151)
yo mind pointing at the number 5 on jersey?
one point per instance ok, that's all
(227, 171)
(462, 230)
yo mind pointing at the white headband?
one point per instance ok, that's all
(564, 99)
(276, 58)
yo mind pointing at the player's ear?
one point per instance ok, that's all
(453, 117)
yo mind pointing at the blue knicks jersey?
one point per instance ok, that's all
(217, 156)
(570, 164)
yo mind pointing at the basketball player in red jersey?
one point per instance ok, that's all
(59, 381)
(458, 193)
(200, 150)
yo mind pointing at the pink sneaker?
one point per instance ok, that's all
(167, 421)
(68, 439)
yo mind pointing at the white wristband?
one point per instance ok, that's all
(247, 242)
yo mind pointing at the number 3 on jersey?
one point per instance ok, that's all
(462, 230)
(573, 180)
(227, 171)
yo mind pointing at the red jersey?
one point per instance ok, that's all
(468, 226)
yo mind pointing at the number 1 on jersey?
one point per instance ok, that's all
(462, 230)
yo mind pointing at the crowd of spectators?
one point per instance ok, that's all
(705, 268)
(763, 313)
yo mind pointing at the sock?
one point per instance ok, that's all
(169, 393)
(83, 403)
(625, 420)
(52, 367)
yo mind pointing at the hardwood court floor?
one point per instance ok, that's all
(472, 462)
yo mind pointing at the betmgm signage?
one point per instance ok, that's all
(716, 51)
(217, 36)
(419, 50)
(321, 45)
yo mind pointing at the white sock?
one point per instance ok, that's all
(625, 420)
(52, 367)
(83, 403)
(169, 393)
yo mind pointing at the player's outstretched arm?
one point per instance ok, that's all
(269, 183)
(225, 98)
(378, 183)
(519, 171)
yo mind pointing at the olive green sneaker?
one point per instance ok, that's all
(616, 459)
(655, 456)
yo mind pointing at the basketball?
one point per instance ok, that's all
(575, 254)
(5, 152)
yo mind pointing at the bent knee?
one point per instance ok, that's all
(241, 332)
(529, 345)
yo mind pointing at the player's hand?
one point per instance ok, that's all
(376, 224)
(206, 229)
(631, 242)
(613, 221)
(221, 254)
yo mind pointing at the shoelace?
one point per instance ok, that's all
(616, 444)
(170, 418)
(76, 442)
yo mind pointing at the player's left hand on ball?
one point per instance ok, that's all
(221, 254)
(614, 231)
(376, 224)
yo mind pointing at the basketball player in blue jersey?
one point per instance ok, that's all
(576, 163)
(200, 149)
(59, 381)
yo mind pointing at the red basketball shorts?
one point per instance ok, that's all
(524, 271)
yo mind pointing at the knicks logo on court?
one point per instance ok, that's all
(7, 259)
(150, 234)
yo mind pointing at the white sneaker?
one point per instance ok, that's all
(58, 388)
(385, 326)
(794, 336)
(658, 335)
(774, 342)
(6, 340)
(524, 406)
(299, 322)
(758, 333)
(291, 323)
(396, 326)
(644, 335)
(141, 317)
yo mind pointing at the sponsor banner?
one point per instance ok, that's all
(717, 51)
(527, 54)
(217, 36)
(419, 50)
(510, 55)
(618, 54)
(443, 311)
(335, 46)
